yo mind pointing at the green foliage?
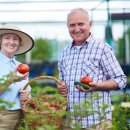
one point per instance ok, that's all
(85, 108)
(121, 115)
(4, 81)
(120, 118)
(108, 35)
(21, 57)
(5, 103)
(41, 50)
(120, 52)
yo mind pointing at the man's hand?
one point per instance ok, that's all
(62, 88)
(92, 85)
(100, 86)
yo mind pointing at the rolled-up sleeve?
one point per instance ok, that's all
(112, 68)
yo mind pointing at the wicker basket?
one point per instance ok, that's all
(48, 109)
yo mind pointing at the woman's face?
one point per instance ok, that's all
(9, 44)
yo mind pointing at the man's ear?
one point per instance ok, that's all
(0, 41)
(90, 23)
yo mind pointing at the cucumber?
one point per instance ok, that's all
(85, 86)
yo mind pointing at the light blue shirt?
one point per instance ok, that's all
(12, 95)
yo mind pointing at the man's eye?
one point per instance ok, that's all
(80, 24)
(72, 26)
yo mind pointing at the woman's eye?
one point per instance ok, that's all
(16, 39)
(7, 37)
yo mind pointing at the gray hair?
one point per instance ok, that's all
(77, 10)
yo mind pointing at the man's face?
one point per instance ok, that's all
(79, 26)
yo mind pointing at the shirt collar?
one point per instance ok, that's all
(87, 41)
(89, 38)
(5, 59)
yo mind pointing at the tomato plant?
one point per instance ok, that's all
(23, 68)
(86, 80)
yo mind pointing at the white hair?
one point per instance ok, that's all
(77, 10)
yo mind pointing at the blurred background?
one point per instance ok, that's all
(45, 21)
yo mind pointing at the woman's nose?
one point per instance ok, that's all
(11, 41)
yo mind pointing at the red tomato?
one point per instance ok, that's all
(86, 80)
(50, 107)
(23, 68)
(33, 106)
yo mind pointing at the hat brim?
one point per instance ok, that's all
(27, 42)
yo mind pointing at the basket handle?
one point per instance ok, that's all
(42, 77)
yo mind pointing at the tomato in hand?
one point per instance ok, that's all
(23, 68)
(86, 80)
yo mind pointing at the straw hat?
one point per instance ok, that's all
(27, 42)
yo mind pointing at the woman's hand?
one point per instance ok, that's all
(24, 95)
(21, 77)
(15, 78)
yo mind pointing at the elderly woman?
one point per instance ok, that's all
(13, 42)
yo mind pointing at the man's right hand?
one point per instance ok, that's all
(62, 88)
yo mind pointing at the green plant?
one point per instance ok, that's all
(4, 82)
(42, 49)
(87, 109)
(121, 114)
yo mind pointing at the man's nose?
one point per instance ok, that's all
(77, 28)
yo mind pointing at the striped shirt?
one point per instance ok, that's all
(97, 60)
